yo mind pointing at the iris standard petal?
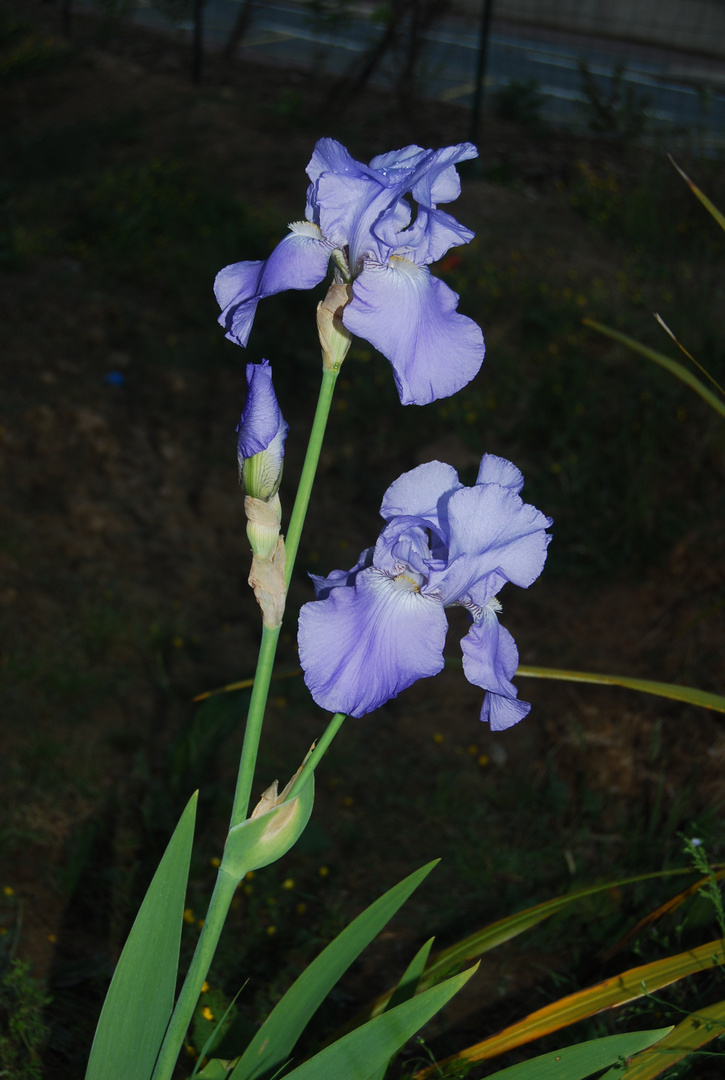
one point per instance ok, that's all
(403, 546)
(491, 530)
(299, 261)
(411, 318)
(419, 493)
(362, 645)
(497, 470)
(490, 659)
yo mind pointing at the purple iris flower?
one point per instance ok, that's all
(261, 434)
(377, 628)
(358, 216)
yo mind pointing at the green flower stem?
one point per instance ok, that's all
(255, 719)
(268, 647)
(314, 759)
(307, 479)
(219, 905)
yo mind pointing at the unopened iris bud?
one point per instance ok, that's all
(261, 435)
(335, 339)
(260, 451)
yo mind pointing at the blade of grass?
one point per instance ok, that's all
(694, 1032)
(140, 998)
(673, 366)
(688, 694)
(274, 1041)
(689, 355)
(609, 994)
(361, 1053)
(709, 206)
(580, 1061)
(664, 909)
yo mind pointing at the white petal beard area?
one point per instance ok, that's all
(363, 645)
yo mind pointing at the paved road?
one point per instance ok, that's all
(676, 91)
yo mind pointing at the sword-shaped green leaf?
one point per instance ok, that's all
(140, 998)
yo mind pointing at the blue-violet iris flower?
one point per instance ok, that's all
(358, 216)
(261, 434)
(377, 628)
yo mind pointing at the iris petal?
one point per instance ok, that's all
(261, 418)
(492, 532)
(422, 492)
(490, 659)
(411, 318)
(363, 645)
(299, 261)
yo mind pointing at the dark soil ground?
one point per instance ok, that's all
(123, 558)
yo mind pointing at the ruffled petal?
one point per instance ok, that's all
(421, 492)
(411, 318)
(299, 261)
(364, 644)
(497, 470)
(491, 531)
(490, 659)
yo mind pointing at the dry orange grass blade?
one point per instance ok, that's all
(690, 1035)
(664, 909)
(609, 994)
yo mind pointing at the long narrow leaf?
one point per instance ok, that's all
(688, 694)
(272, 1044)
(673, 366)
(664, 909)
(140, 998)
(580, 1061)
(406, 989)
(691, 1034)
(709, 206)
(365, 1050)
(609, 994)
(475, 945)
(511, 926)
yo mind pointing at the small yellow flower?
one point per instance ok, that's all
(324, 871)
(483, 760)
(249, 875)
(215, 862)
(8, 890)
(288, 883)
(248, 890)
(438, 738)
(189, 916)
(205, 987)
(178, 642)
(52, 938)
(472, 749)
(271, 930)
(207, 1013)
(200, 923)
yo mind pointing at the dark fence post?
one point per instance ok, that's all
(197, 48)
(486, 9)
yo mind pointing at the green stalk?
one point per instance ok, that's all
(314, 759)
(307, 479)
(225, 885)
(219, 904)
(255, 719)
